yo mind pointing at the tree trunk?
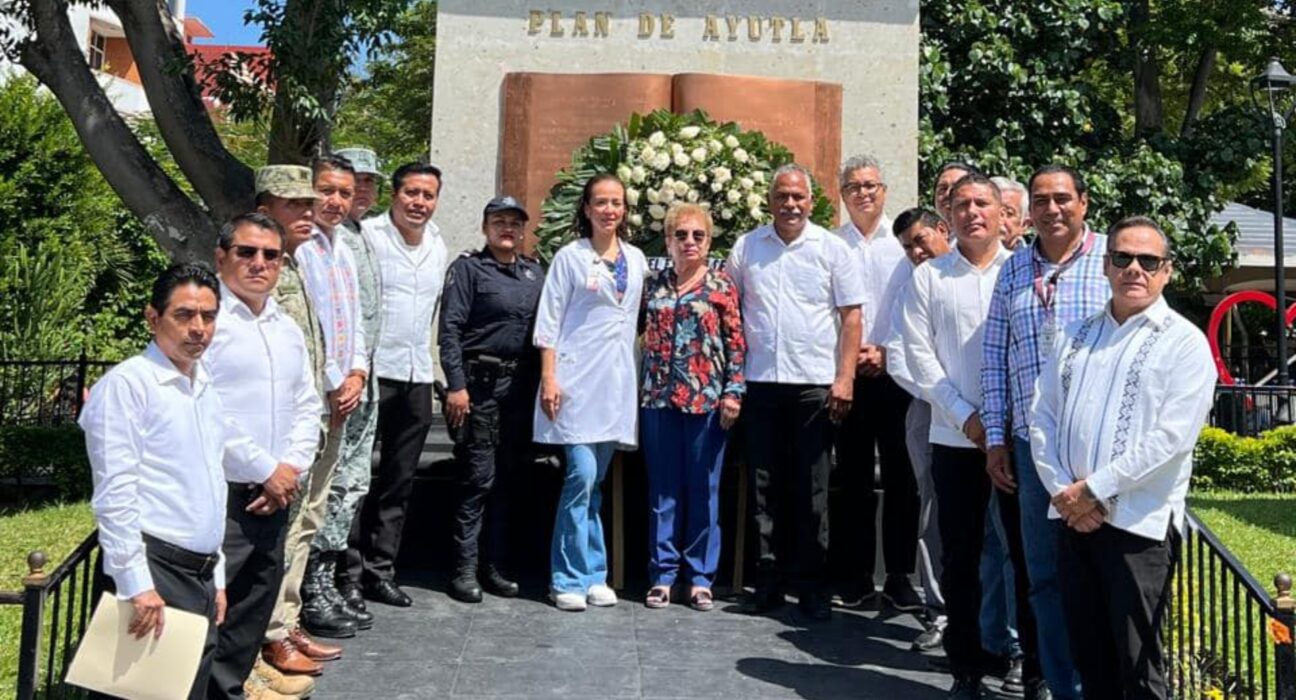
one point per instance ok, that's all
(1148, 117)
(223, 182)
(1197, 96)
(318, 37)
(178, 224)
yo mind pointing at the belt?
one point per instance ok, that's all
(503, 367)
(201, 564)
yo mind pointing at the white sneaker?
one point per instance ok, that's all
(601, 596)
(571, 602)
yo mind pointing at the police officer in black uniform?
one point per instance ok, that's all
(488, 311)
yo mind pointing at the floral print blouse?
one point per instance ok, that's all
(693, 343)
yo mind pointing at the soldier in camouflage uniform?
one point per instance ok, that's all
(351, 481)
(286, 194)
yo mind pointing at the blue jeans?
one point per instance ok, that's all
(578, 556)
(684, 453)
(998, 598)
(1040, 540)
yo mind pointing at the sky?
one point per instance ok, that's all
(225, 19)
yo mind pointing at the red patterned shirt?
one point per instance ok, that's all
(693, 343)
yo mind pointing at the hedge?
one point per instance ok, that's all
(1265, 463)
(48, 457)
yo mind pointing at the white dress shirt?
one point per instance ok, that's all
(791, 294)
(883, 269)
(1120, 406)
(329, 273)
(259, 367)
(412, 277)
(943, 323)
(155, 441)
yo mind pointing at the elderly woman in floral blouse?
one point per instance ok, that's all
(692, 393)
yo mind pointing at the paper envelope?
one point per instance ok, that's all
(111, 660)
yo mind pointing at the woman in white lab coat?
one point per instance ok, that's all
(588, 403)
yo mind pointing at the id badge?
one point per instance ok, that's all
(592, 283)
(1048, 336)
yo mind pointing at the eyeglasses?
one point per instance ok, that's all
(855, 188)
(697, 235)
(1147, 261)
(248, 252)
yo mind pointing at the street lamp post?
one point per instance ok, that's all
(1268, 91)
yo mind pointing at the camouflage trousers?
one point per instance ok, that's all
(350, 480)
(305, 518)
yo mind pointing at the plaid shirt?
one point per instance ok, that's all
(1011, 358)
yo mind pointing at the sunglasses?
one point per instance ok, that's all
(697, 235)
(248, 252)
(1147, 261)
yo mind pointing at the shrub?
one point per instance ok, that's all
(51, 457)
(1267, 463)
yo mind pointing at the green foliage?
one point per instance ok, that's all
(390, 109)
(74, 263)
(50, 456)
(1266, 463)
(1012, 86)
(746, 158)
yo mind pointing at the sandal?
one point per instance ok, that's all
(658, 597)
(702, 600)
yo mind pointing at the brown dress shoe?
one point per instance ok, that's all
(284, 656)
(313, 648)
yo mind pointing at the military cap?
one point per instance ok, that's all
(363, 160)
(286, 181)
(505, 203)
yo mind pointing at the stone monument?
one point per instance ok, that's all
(518, 87)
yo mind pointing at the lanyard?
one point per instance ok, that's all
(1046, 291)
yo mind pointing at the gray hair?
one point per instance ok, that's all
(1006, 185)
(859, 162)
(1138, 221)
(788, 169)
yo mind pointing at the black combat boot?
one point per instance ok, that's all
(319, 616)
(463, 587)
(362, 619)
(496, 584)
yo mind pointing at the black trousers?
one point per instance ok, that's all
(186, 588)
(254, 569)
(404, 416)
(788, 439)
(489, 448)
(1115, 585)
(875, 426)
(962, 496)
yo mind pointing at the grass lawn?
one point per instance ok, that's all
(1259, 528)
(54, 529)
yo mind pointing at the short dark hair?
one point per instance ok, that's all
(1077, 179)
(180, 274)
(417, 167)
(957, 165)
(917, 216)
(331, 162)
(581, 223)
(1138, 221)
(263, 199)
(976, 177)
(225, 238)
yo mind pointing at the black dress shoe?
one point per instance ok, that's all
(966, 688)
(815, 605)
(494, 583)
(900, 594)
(764, 599)
(1037, 690)
(388, 593)
(1013, 683)
(464, 589)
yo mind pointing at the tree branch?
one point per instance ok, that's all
(52, 55)
(223, 182)
(1197, 96)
